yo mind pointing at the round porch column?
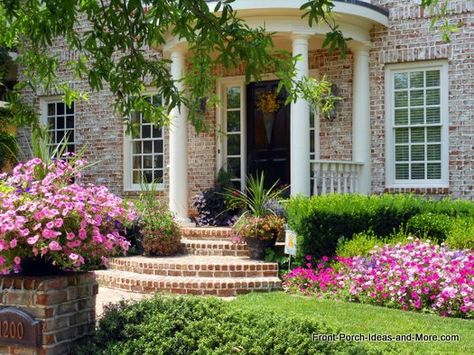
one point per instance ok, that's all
(299, 137)
(361, 134)
(178, 141)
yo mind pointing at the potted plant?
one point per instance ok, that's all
(260, 225)
(160, 233)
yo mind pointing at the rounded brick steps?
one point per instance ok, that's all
(213, 247)
(195, 266)
(213, 265)
(218, 286)
(207, 233)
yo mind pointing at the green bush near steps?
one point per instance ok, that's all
(186, 325)
(320, 221)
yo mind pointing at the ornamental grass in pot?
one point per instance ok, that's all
(262, 222)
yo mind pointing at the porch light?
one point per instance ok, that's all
(332, 114)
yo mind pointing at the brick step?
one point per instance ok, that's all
(196, 266)
(213, 247)
(219, 286)
(207, 233)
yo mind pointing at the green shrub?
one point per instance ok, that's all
(362, 243)
(206, 326)
(320, 221)
(461, 235)
(431, 226)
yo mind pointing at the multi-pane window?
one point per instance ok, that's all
(60, 122)
(147, 150)
(233, 146)
(417, 120)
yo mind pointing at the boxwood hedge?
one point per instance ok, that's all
(321, 220)
(187, 325)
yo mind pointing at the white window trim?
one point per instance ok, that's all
(390, 181)
(221, 146)
(128, 185)
(43, 104)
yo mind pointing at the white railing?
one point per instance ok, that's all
(335, 177)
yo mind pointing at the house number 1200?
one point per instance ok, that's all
(12, 330)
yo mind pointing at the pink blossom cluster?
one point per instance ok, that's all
(415, 276)
(46, 213)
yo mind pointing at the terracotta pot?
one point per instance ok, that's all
(257, 246)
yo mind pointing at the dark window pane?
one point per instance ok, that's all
(70, 121)
(233, 97)
(147, 146)
(233, 165)
(432, 78)
(156, 132)
(148, 176)
(70, 148)
(51, 109)
(417, 98)
(137, 162)
(70, 110)
(70, 136)
(60, 122)
(433, 97)
(233, 144)
(158, 176)
(417, 152)
(233, 121)
(51, 123)
(60, 108)
(417, 79)
(417, 116)
(147, 162)
(59, 136)
(158, 145)
(433, 115)
(401, 99)
(401, 153)
(401, 116)
(159, 161)
(146, 131)
(434, 152)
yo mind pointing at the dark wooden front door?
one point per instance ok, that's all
(268, 136)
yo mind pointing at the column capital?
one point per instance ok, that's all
(361, 48)
(299, 37)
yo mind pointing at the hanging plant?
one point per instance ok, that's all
(320, 94)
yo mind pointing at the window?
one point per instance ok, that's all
(233, 141)
(417, 154)
(59, 119)
(144, 152)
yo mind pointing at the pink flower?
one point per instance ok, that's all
(54, 246)
(32, 240)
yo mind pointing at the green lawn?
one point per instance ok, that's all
(354, 318)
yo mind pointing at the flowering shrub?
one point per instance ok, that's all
(48, 218)
(415, 276)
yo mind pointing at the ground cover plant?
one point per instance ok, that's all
(191, 325)
(418, 275)
(49, 221)
(358, 318)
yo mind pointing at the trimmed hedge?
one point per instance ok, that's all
(187, 325)
(320, 221)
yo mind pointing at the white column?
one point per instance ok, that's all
(361, 134)
(299, 138)
(178, 141)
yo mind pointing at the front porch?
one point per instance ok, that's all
(309, 168)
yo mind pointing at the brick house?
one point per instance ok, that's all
(405, 123)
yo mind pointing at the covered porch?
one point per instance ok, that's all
(309, 171)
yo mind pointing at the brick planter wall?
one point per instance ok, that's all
(65, 305)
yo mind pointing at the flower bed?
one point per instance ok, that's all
(417, 276)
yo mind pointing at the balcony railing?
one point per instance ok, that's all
(335, 177)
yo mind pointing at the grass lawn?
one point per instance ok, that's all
(355, 318)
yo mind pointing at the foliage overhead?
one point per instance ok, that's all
(113, 51)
